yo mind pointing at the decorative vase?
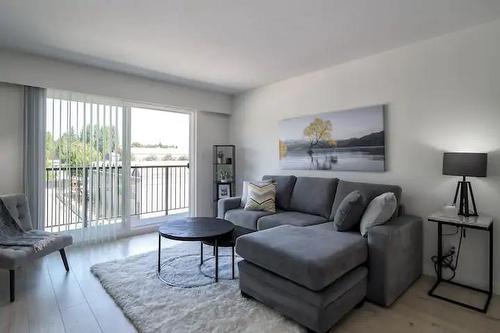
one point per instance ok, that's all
(220, 157)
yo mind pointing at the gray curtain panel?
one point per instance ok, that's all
(34, 152)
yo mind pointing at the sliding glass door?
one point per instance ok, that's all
(159, 153)
(111, 167)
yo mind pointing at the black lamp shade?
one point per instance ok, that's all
(465, 164)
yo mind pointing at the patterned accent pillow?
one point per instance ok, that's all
(261, 197)
(244, 192)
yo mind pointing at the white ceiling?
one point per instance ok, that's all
(227, 45)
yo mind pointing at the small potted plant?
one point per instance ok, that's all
(225, 176)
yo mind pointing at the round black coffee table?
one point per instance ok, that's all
(194, 229)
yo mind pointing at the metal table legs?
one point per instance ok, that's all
(216, 257)
(159, 252)
(216, 251)
(216, 261)
(440, 279)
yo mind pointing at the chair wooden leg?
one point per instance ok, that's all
(64, 259)
(12, 275)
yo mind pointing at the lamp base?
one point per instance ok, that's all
(464, 188)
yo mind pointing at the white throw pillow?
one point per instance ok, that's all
(379, 211)
(244, 192)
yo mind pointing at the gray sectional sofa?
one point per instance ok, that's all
(300, 265)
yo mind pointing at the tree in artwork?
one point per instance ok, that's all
(319, 131)
(283, 149)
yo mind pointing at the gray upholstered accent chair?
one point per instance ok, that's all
(13, 257)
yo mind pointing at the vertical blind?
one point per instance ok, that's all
(84, 176)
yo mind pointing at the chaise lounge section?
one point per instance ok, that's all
(300, 265)
(294, 274)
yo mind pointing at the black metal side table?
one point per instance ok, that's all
(480, 222)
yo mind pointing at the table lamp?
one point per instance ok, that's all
(465, 165)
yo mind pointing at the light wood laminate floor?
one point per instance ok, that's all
(50, 300)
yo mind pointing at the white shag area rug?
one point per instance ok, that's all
(153, 306)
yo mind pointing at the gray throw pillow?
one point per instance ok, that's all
(349, 211)
(379, 211)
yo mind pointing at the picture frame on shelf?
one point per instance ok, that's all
(223, 191)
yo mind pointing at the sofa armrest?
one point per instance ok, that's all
(223, 205)
(394, 258)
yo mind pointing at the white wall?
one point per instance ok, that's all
(212, 129)
(442, 95)
(11, 138)
(25, 69)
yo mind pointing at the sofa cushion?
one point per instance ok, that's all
(291, 218)
(245, 218)
(284, 188)
(287, 251)
(379, 211)
(313, 195)
(12, 257)
(369, 191)
(349, 212)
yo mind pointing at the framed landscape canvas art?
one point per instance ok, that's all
(349, 140)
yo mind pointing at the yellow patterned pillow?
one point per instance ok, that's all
(261, 197)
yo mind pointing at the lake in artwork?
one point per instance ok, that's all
(349, 140)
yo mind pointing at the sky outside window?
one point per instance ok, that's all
(150, 128)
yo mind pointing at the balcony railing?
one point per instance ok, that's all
(79, 197)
